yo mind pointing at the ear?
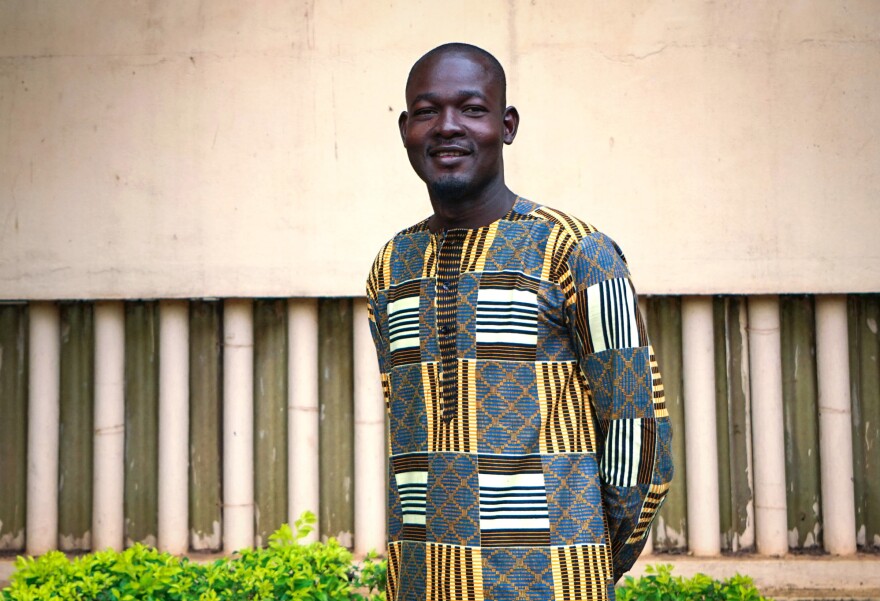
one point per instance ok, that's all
(401, 124)
(511, 124)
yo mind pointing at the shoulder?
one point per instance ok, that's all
(563, 224)
(379, 277)
(575, 246)
(571, 242)
(565, 230)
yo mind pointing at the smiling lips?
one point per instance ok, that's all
(448, 152)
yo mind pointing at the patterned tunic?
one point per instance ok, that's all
(529, 437)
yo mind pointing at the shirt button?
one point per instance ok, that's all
(446, 330)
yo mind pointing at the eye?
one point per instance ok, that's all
(424, 112)
(475, 109)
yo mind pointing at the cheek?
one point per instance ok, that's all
(416, 160)
(413, 148)
(490, 137)
(413, 142)
(491, 147)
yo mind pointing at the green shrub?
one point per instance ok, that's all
(286, 570)
(661, 585)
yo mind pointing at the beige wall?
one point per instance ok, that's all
(178, 148)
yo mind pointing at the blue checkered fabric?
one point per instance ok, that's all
(529, 436)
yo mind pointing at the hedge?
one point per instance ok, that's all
(287, 570)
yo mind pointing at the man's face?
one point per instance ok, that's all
(456, 125)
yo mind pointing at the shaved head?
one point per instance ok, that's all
(489, 62)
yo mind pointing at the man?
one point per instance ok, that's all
(529, 438)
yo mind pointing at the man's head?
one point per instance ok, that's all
(456, 122)
(491, 63)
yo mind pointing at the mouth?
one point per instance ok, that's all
(448, 152)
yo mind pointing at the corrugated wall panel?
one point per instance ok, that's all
(663, 314)
(77, 419)
(725, 502)
(336, 405)
(336, 429)
(270, 417)
(864, 328)
(734, 427)
(205, 424)
(801, 414)
(742, 535)
(141, 421)
(13, 425)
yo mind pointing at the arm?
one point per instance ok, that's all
(614, 353)
(377, 281)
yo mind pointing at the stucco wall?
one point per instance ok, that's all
(181, 148)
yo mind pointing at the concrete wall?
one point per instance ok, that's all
(172, 149)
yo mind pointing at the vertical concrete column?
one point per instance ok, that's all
(43, 427)
(701, 439)
(835, 425)
(767, 426)
(173, 426)
(238, 424)
(302, 357)
(109, 449)
(369, 439)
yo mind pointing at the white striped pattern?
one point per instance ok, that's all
(413, 489)
(513, 502)
(403, 323)
(623, 452)
(507, 316)
(612, 314)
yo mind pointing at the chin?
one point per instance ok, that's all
(449, 188)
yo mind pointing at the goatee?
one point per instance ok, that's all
(448, 188)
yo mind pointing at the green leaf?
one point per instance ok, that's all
(660, 585)
(286, 570)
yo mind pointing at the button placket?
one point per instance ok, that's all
(448, 269)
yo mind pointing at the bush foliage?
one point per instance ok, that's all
(286, 570)
(660, 585)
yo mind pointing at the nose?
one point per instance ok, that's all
(448, 125)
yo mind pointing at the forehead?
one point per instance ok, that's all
(451, 73)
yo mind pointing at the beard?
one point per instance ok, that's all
(449, 187)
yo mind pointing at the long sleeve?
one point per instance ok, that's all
(377, 282)
(618, 362)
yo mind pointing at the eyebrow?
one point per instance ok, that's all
(432, 97)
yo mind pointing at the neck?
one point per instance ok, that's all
(471, 211)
